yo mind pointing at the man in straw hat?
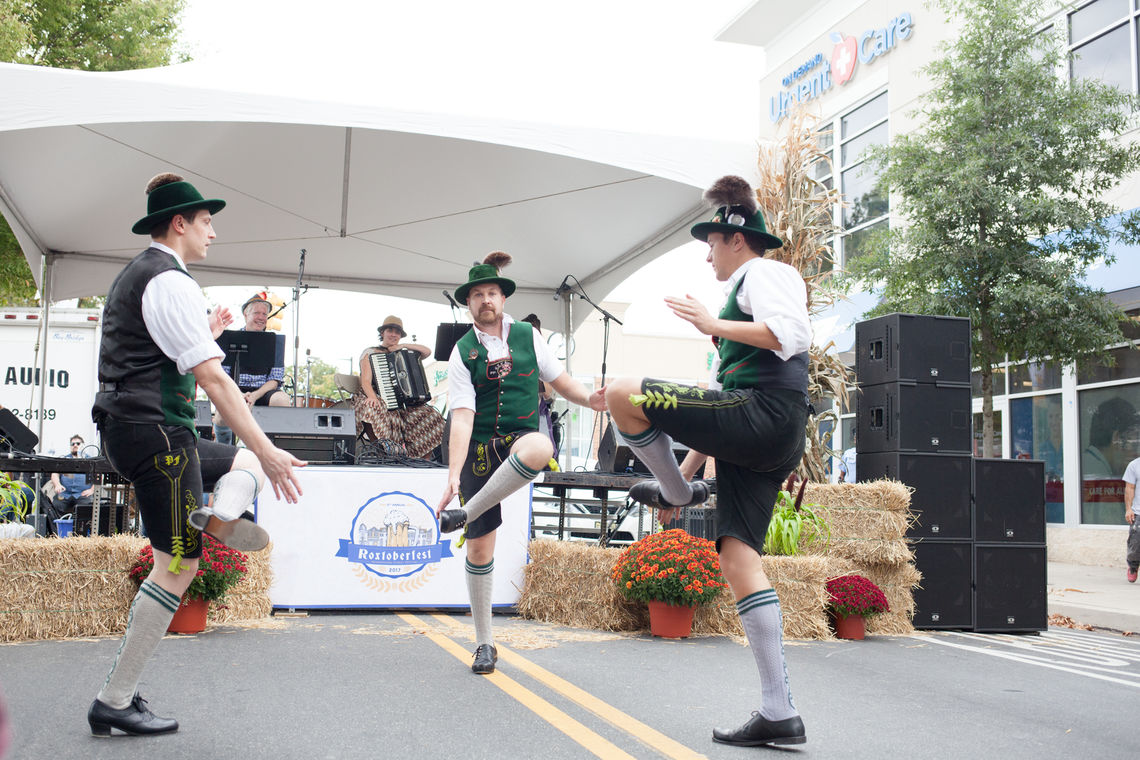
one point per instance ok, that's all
(751, 420)
(158, 342)
(419, 429)
(494, 371)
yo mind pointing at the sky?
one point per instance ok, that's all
(493, 38)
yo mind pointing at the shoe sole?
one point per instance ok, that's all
(783, 740)
(700, 496)
(243, 535)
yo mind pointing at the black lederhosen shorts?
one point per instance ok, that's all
(756, 437)
(264, 400)
(169, 469)
(481, 462)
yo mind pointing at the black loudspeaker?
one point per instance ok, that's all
(908, 416)
(446, 336)
(315, 435)
(14, 434)
(945, 597)
(1011, 588)
(921, 349)
(941, 483)
(615, 455)
(1009, 500)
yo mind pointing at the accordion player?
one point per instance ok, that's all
(398, 378)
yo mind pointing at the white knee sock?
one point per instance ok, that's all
(763, 623)
(234, 493)
(480, 581)
(655, 448)
(147, 622)
(510, 477)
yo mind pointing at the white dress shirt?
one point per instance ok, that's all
(461, 391)
(176, 316)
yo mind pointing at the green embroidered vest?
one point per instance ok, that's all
(745, 366)
(506, 391)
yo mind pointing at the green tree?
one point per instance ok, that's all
(320, 378)
(1000, 196)
(93, 35)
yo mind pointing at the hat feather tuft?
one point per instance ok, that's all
(731, 191)
(498, 259)
(159, 180)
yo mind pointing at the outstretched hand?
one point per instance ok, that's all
(598, 400)
(220, 319)
(692, 311)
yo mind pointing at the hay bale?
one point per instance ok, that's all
(886, 495)
(568, 583)
(868, 521)
(52, 588)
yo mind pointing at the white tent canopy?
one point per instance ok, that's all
(383, 199)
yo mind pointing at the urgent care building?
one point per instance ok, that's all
(857, 65)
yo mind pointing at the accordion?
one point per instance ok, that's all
(398, 378)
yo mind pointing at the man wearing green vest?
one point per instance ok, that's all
(157, 346)
(493, 374)
(751, 420)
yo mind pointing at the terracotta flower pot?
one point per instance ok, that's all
(190, 617)
(669, 621)
(850, 626)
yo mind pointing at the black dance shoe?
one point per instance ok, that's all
(486, 655)
(648, 492)
(758, 731)
(452, 519)
(135, 718)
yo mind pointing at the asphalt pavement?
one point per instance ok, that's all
(398, 685)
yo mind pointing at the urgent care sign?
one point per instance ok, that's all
(825, 70)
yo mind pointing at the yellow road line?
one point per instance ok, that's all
(651, 737)
(592, 741)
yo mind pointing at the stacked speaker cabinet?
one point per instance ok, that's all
(1009, 545)
(913, 424)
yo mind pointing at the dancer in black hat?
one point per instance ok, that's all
(157, 347)
(751, 419)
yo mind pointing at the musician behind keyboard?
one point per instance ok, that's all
(418, 429)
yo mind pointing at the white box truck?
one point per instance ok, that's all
(70, 380)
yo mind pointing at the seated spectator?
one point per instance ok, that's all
(72, 489)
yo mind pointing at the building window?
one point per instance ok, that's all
(1100, 43)
(1110, 439)
(1034, 376)
(1035, 425)
(845, 140)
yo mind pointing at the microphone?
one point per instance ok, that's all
(450, 300)
(564, 287)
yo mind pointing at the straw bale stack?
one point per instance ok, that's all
(568, 583)
(868, 523)
(53, 588)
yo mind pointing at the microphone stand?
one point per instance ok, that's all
(568, 292)
(606, 319)
(298, 289)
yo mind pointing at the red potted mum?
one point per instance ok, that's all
(851, 598)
